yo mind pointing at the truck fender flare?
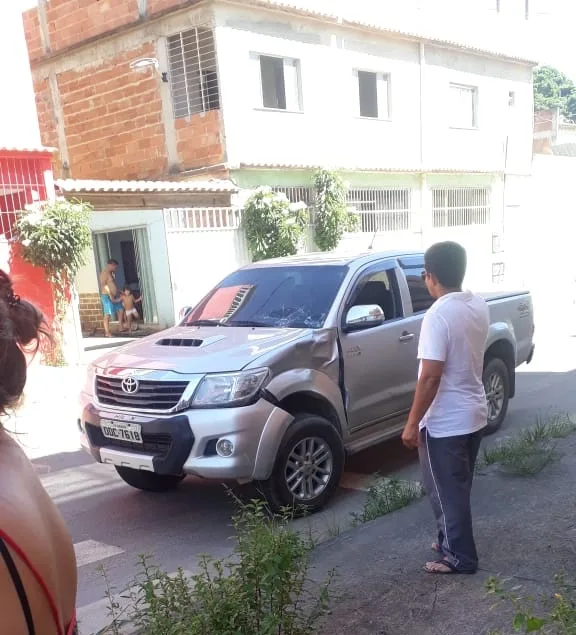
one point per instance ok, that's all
(315, 384)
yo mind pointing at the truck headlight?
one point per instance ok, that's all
(229, 389)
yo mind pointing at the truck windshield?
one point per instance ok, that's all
(286, 297)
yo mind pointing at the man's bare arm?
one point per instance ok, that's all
(426, 391)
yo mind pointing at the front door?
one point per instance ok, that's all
(380, 363)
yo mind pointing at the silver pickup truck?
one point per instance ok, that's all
(282, 370)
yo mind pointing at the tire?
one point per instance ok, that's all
(149, 481)
(496, 378)
(308, 434)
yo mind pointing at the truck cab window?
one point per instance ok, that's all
(380, 288)
(421, 299)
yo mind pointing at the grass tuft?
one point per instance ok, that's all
(533, 449)
(386, 495)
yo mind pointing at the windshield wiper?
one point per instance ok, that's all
(206, 323)
(247, 323)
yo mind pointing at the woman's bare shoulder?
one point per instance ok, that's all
(33, 527)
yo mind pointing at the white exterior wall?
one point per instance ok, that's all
(328, 132)
(539, 242)
(482, 148)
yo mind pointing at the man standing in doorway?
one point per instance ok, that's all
(111, 301)
(449, 412)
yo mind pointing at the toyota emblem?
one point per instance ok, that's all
(130, 385)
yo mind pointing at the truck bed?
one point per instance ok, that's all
(491, 296)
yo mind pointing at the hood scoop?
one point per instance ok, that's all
(179, 341)
(188, 342)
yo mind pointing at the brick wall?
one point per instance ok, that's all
(156, 6)
(71, 22)
(113, 120)
(47, 122)
(110, 120)
(199, 140)
(90, 312)
(32, 32)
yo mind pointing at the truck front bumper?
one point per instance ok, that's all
(187, 442)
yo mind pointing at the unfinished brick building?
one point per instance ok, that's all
(104, 98)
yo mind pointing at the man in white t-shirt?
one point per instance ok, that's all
(449, 412)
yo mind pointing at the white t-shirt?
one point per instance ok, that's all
(454, 331)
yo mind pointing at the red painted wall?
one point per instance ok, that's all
(23, 181)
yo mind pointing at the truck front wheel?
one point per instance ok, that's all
(149, 481)
(496, 380)
(308, 466)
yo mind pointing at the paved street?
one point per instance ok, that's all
(111, 524)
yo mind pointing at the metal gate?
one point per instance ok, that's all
(204, 246)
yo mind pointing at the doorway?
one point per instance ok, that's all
(131, 249)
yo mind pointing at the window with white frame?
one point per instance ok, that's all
(280, 83)
(193, 72)
(460, 206)
(373, 94)
(382, 210)
(463, 106)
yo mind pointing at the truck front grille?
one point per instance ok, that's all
(150, 395)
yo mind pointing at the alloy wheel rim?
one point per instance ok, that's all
(309, 468)
(494, 388)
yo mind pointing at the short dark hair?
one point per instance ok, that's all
(446, 261)
(113, 262)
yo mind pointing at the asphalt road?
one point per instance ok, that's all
(111, 524)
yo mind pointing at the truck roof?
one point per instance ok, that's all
(332, 258)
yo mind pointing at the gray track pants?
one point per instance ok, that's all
(448, 469)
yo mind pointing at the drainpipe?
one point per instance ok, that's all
(423, 184)
(422, 56)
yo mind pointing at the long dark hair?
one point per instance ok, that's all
(21, 327)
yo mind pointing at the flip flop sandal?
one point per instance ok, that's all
(436, 547)
(451, 569)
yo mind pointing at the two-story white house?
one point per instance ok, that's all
(427, 132)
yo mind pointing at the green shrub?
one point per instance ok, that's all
(274, 227)
(262, 589)
(55, 236)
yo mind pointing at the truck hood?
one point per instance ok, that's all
(199, 350)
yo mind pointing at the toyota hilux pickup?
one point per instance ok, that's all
(281, 371)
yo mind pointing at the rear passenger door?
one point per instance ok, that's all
(379, 361)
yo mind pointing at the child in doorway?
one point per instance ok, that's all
(129, 303)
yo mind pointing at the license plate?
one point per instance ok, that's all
(121, 431)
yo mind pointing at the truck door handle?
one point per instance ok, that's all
(406, 337)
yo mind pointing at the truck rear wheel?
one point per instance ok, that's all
(496, 380)
(149, 481)
(308, 466)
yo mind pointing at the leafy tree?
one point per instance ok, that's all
(553, 89)
(332, 217)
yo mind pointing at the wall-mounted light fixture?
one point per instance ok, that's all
(144, 63)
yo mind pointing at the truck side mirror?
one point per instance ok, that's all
(364, 316)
